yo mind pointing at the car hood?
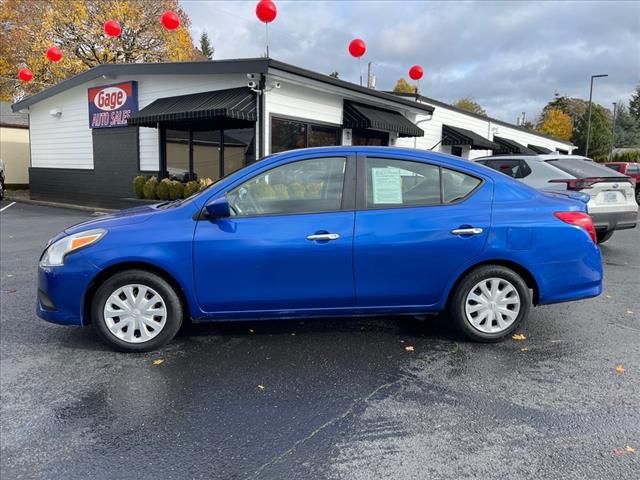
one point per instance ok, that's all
(123, 217)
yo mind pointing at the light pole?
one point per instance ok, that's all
(586, 149)
(613, 132)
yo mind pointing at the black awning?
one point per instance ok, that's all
(357, 115)
(461, 136)
(511, 146)
(539, 149)
(233, 104)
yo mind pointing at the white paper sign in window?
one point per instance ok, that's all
(387, 185)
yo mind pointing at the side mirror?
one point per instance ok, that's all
(218, 208)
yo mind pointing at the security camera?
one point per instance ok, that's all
(277, 85)
(251, 76)
(251, 84)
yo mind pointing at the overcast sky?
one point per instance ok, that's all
(510, 56)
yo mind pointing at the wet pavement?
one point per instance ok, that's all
(335, 399)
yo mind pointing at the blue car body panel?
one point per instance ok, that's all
(403, 260)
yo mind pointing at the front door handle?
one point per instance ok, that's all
(467, 231)
(323, 237)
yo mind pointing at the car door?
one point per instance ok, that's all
(416, 225)
(287, 245)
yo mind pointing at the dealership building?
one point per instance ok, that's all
(91, 134)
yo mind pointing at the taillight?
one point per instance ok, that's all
(582, 183)
(580, 219)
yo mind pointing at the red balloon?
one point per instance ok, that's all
(112, 28)
(54, 54)
(170, 20)
(416, 72)
(266, 11)
(357, 47)
(25, 74)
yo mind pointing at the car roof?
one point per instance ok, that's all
(535, 158)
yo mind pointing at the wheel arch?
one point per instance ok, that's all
(123, 266)
(526, 275)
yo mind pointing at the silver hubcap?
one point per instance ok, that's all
(135, 313)
(492, 305)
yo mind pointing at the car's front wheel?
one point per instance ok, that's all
(136, 311)
(489, 303)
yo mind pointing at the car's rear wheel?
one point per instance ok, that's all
(638, 196)
(136, 311)
(489, 303)
(604, 235)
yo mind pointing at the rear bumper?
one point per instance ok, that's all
(615, 220)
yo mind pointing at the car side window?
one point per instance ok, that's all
(392, 182)
(457, 186)
(305, 186)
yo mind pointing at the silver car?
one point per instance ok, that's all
(612, 204)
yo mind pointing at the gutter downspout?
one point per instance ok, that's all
(261, 117)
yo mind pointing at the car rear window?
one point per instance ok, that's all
(617, 168)
(583, 169)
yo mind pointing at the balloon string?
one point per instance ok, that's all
(360, 68)
(266, 25)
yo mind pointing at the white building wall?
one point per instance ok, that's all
(295, 101)
(70, 132)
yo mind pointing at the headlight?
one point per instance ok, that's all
(56, 252)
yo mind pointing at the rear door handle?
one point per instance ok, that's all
(323, 236)
(467, 231)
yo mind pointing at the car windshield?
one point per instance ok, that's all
(582, 168)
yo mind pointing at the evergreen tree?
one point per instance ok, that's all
(634, 104)
(600, 141)
(205, 46)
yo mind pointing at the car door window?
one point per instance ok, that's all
(313, 185)
(513, 168)
(392, 182)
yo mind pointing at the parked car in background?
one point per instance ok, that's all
(332, 231)
(612, 195)
(1, 179)
(631, 169)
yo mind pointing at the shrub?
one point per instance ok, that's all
(162, 190)
(176, 190)
(191, 188)
(138, 185)
(296, 190)
(204, 183)
(280, 191)
(150, 188)
(627, 156)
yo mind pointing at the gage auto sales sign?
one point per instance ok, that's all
(112, 105)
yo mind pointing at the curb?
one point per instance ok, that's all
(69, 206)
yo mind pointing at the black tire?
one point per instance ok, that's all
(1, 189)
(174, 309)
(604, 235)
(638, 196)
(458, 300)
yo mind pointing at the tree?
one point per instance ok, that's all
(205, 46)
(402, 86)
(334, 74)
(634, 104)
(556, 123)
(627, 132)
(600, 142)
(76, 26)
(470, 105)
(574, 107)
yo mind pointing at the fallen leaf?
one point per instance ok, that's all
(9, 275)
(524, 349)
(293, 334)
(260, 387)
(608, 296)
(620, 368)
(519, 336)
(624, 451)
(158, 361)
(630, 312)
(251, 330)
(408, 348)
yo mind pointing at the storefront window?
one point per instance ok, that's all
(239, 150)
(369, 137)
(291, 134)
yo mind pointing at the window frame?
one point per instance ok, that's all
(361, 183)
(308, 124)
(348, 187)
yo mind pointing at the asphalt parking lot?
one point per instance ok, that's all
(335, 399)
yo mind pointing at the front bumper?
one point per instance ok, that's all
(61, 291)
(615, 220)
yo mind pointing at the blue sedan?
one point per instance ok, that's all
(332, 231)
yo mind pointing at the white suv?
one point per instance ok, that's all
(612, 203)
